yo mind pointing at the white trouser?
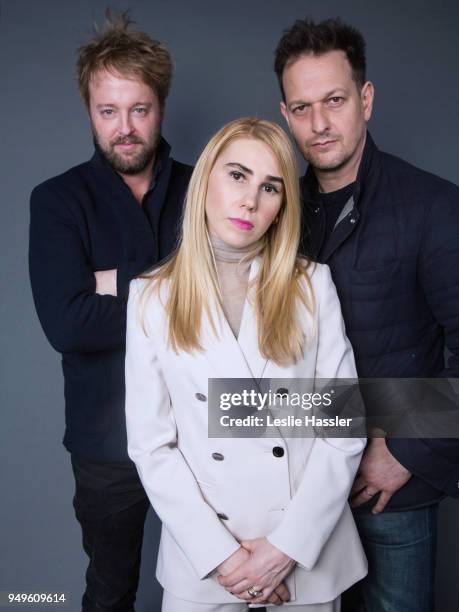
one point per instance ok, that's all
(174, 604)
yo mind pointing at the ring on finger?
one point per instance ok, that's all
(254, 592)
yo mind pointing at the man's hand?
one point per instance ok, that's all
(264, 571)
(379, 471)
(106, 282)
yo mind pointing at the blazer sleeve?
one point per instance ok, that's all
(332, 464)
(152, 445)
(436, 460)
(73, 316)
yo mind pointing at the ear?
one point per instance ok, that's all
(367, 95)
(284, 112)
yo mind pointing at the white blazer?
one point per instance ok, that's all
(212, 493)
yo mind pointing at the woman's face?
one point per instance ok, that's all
(245, 192)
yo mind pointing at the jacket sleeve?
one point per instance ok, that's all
(152, 445)
(73, 316)
(331, 467)
(436, 461)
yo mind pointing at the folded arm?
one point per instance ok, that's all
(64, 285)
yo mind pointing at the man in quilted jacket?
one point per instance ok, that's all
(390, 234)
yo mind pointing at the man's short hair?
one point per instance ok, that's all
(306, 37)
(131, 54)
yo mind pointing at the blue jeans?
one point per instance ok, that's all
(400, 547)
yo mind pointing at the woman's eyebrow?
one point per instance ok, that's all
(273, 179)
(237, 165)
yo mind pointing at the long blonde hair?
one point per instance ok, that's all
(280, 283)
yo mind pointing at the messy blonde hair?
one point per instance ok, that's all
(131, 54)
(280, 283)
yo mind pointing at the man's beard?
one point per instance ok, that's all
(327, 165)
(324, 163)
(135, 163)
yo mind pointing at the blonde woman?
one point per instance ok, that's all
(253, 520)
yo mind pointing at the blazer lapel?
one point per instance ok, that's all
(235, 358)
(239, 358)
(248, 331)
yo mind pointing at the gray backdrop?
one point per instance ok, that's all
(223, 53)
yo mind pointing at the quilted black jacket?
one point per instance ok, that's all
(394, 258)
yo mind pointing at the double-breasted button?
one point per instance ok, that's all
(201, 397)
(217, 456)
(222, 516)
(282, 391)
(278, 451)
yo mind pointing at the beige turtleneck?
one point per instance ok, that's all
(233, 276)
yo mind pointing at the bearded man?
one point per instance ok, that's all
(92, 230)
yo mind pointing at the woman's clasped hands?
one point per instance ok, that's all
(257, 567)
